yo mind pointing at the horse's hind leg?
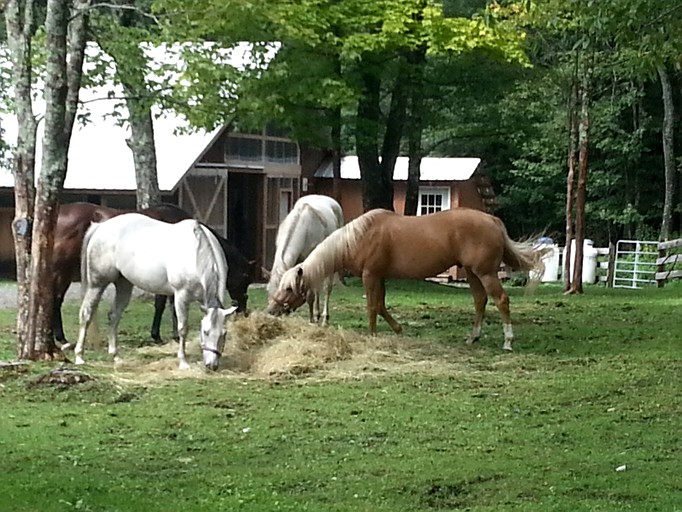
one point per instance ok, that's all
(124, 290)
(494, 288)
(88, 308)
(159, 306)
(480, 300)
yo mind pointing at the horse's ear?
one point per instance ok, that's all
(229, 311)
(203, 309)
(266, 272)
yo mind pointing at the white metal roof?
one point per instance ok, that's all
(432, 168)
(99, 157)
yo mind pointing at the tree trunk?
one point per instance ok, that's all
(336, 153)
(581, 192)
(417, 60)
(19, 24)
(570, 180)
(60, 88)
(377, 188)
(131, 66)
(143, 146)
(668, 152)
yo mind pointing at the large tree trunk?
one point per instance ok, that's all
(377, 187)
(19, 24)
(581, 191)
(131, 66)
(570, 180)
(142, 144)
(668, 152)
(62, 84)
(417, 60)
(377, 173)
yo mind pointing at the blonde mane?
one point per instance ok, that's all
(329, 256)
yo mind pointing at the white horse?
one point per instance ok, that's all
(312, 219)
(184, 260)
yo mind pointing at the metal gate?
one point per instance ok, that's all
(635, 264)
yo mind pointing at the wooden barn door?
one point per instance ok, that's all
(281, 194)
(205, 197)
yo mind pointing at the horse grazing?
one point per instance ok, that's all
(381, 244)
(312, 219)
(184, 260)
(73, 221)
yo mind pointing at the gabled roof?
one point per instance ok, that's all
(99, 157)
(432, 169)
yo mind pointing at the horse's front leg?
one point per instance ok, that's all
(88, 308)
(326, 293)
(124, 290)
(181, 304)
(310, 299)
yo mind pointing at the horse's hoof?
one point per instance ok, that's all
(471, 340)
(183, 366)
(79, 360)
(507, 348)
(65, 346)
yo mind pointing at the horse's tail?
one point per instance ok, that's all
(523, 256)
(84, 254)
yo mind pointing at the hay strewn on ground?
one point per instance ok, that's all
(262, 346)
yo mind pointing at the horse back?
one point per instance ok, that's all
(421, 246)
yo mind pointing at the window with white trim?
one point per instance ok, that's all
(433, 199)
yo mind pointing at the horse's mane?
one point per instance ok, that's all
(328, 257)
(210, 261)
(291, 240)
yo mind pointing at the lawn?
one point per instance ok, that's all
(583, 416)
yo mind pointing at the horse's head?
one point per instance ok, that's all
(291, 293)
(213, 333)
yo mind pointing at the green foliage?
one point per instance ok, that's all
(582, 417)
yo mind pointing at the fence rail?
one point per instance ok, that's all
(669, 256)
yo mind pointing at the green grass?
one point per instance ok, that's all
(593, 384)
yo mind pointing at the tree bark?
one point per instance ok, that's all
(377, 188)
(581, 190)
(416, 61)
(131, 66)
(60, 88)
(570, 180)
(19, 22)
(668, 152)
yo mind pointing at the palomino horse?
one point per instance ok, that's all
(184, 260)
(381, 244)
(74, 220)
(312, 219)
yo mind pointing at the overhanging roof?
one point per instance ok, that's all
(99, 156)
(432, 169)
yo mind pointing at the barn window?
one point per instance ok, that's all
(281, 152)
(244, 148)
(433, 199)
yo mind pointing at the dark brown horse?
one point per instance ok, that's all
(381, 244)
(74, 220)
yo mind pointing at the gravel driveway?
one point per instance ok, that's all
(8, 294)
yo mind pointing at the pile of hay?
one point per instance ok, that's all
(265, 346)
